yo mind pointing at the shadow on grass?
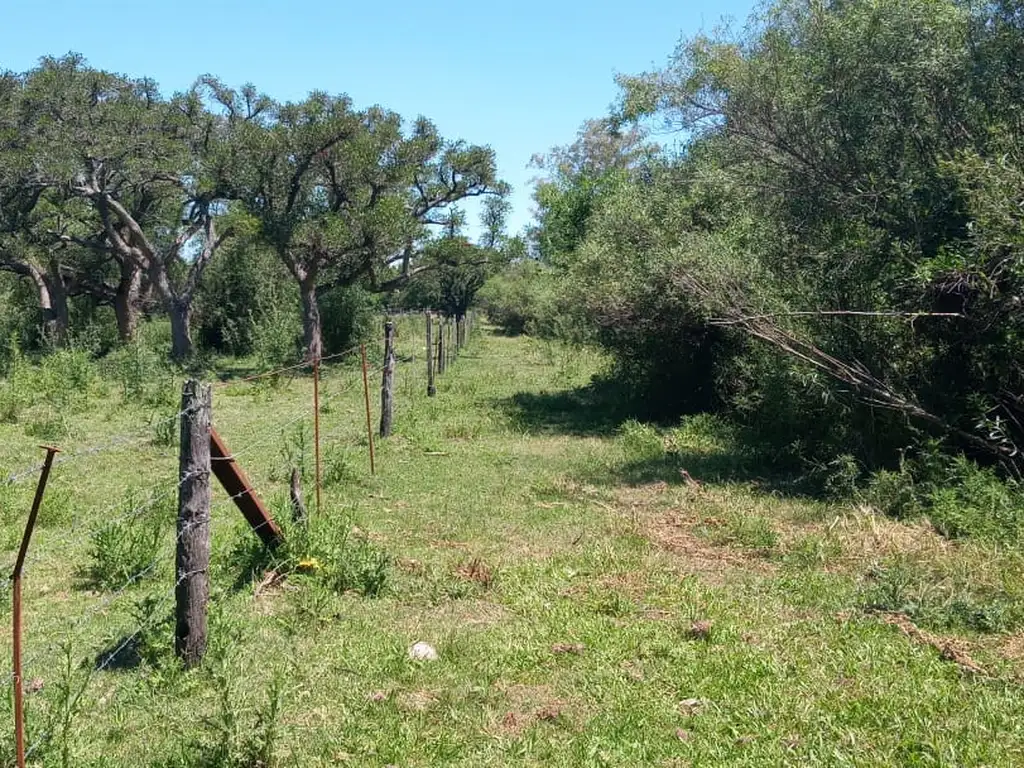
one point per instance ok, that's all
(600, 410)
(584, 412)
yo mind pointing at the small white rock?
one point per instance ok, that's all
(423, 652)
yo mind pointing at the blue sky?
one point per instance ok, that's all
(520, 76)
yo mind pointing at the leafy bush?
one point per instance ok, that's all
(139, 367)
(350, 315)
(522, 299)
(974, 502)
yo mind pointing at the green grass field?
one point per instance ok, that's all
(599, 594)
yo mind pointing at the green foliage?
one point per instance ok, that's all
(641, 442)
(125, 550)
(350, 315)
(242, 734)
(904, 586)
(246, 305)
(972, 501)
(522, 299)
(140, 367)
(799, 262)
(340, 557)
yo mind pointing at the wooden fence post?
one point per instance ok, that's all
(192, 559)
(387, 384)
(442, 350)
(431, 386)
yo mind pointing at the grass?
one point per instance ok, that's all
(600, 593)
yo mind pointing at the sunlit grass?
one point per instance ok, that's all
(556, 562)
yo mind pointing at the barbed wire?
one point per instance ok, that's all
(114, 655)
(67, 456)
(334, 391)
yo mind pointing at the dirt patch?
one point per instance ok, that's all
(674, 531)
(415, 701)
(476, 570)
(950, 649)
(1012, 648)
(526, 705)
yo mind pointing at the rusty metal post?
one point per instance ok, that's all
(234, 480)
(366, 395)
(19, 693)
(316, 427)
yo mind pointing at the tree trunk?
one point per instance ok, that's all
(180, 312)
(127, 299)
(311, 328)
(53, 297)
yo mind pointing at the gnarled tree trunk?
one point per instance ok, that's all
(180, 313)
(53, 296)
(127, 298)
(312, 330)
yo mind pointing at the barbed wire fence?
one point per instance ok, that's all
(102, 556)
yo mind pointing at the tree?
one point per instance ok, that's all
(344, 196)
(577, 177)
(849, 194)
(127, 174)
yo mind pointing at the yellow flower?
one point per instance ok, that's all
(309, 564)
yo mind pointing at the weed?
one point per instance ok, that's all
(124, 550)
(640, 442)
(813, 551)
(242, 737)
(893, 494)
(904, 586)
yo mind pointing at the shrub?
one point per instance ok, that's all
(335, 553)
(124, 550)
(641, 442)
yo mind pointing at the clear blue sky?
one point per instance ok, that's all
(520, 76)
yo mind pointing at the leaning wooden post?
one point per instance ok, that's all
(387, 384)
(192, 560)
(431, 386)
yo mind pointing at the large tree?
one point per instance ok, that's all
(127, 176)
(342, 195)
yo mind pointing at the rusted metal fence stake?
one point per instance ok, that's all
(366, 395)
(19, 693)
(316, 428)
(236, 483)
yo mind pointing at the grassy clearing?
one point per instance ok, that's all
(600, 593)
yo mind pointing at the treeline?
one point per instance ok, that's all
(237, 220)
(827, 245)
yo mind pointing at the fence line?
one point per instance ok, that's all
(397, 357)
